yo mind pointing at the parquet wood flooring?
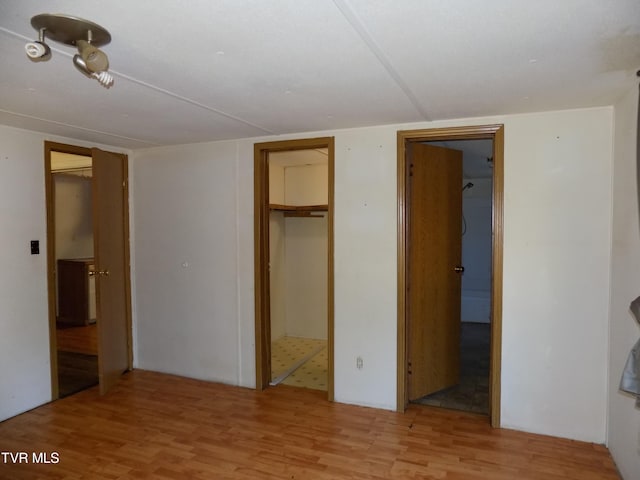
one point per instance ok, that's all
(165, 427)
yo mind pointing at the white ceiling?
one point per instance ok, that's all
(200, 70)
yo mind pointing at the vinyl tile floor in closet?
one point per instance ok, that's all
(287, 352)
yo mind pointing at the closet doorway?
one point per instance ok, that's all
(88, 267)
(294, 268)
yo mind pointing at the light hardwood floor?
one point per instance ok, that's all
(165, 427)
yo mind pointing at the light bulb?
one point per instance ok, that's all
(104, 78)
(94, 58)
(37, 51)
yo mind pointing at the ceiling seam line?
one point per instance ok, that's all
(77, 127)
(192, 102)
(157, 89)
(351, 17)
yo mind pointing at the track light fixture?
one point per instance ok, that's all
(86, 36)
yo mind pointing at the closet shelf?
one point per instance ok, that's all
(299, 210)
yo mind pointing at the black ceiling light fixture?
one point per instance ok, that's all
(86, 36)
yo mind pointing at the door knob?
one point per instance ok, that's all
(102, 273)
(458, 269)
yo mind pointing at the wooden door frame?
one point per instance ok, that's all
(261, 252)
(495, 133)
(50, 147)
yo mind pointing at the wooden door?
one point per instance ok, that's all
(433, 282)
(111, 265)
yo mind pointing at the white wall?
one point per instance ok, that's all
(25, 370)
(74, 218)
(298, 251)
(624, 418)
(476, 251)
(556, 272)
(365, 254)
(306, 277)
(306, 253)
(276, 184)
(186, 254)
(23, 284)
(306, 184)
(194, 203)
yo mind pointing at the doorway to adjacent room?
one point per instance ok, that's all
(75, 296)
(88, 267)
(438, 360)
